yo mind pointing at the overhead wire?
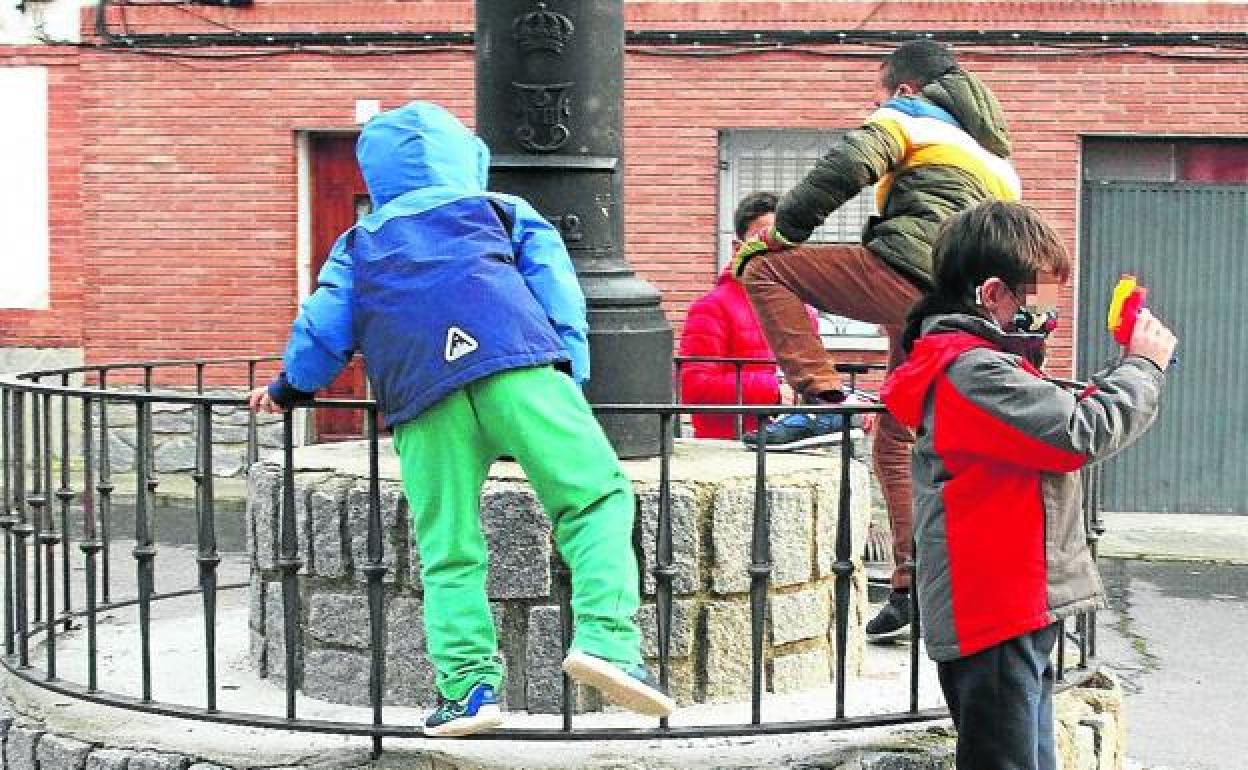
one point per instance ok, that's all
(855, 42)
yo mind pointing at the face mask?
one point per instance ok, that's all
(1031, 329)
(1030, 319)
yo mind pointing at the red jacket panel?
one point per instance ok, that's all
(722, 323)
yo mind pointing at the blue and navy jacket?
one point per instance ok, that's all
(442, 284)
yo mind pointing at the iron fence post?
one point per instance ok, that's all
(152, 481)
(760, 573)
(253, 450)
(90, 545)
(375, 571)
(207, 557)
(843, 566)
(49, 538)
(289, 563)
(916, 629)
(563, 589)
(1061, 650)
(65, 495)
(7, 519)
(36, 500)
(664, 571)
(144, 551)
(738, 392)
(23, 529)
(105, 490)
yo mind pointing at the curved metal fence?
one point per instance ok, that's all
(53, 489)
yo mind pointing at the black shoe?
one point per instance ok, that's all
(892, 621)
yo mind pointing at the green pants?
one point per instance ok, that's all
(539, 417)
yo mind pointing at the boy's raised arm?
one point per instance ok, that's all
(322, 339)
(999, 410)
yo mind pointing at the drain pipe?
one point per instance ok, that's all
(101, 24)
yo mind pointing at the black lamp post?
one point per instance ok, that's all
(549, 93)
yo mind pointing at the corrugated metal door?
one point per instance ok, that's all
(1189, 244)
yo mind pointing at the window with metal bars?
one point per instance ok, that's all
(774, 160)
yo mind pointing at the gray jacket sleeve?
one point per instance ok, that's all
(1019, 418)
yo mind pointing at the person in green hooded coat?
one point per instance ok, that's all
(936, 145)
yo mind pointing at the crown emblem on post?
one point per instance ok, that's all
(543, 30)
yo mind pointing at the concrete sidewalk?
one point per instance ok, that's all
(1176, 537)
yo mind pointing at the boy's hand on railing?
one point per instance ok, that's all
(788, 396)
(261, 401)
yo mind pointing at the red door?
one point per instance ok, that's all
(339, 198)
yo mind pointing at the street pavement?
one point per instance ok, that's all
(1176, 637)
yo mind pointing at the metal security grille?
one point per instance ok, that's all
(1186, 242)
(775, 160)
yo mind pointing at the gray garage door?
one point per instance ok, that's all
(1189, 244)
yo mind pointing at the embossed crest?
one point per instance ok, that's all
(543, 109)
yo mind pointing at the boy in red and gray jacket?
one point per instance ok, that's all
(1000, 542)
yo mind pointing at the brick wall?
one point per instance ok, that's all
(191, 195)
(183, 229)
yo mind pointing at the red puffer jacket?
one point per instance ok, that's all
(722, 323)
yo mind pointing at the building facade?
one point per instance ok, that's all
(173, 171)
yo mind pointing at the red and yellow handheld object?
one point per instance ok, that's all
(1125, 305)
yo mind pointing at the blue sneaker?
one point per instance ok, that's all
(635, 689)
(799, 431)
(475, 712)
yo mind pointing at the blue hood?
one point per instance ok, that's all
(419, 146)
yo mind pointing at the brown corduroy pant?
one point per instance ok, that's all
(846, 280)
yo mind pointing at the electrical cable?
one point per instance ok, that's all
(1195, 46)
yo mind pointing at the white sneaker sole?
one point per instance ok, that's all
(890, 636)
(488, 717)
(823, 439)
(617, 686)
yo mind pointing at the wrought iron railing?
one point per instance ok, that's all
(31, 403)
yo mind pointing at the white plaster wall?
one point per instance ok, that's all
(24, 191)
(41, 21)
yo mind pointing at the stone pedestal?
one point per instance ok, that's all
(712, 511)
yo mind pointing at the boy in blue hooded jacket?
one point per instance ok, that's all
(465, 305)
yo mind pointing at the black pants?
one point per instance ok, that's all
(1001, 700)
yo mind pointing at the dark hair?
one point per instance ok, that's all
(750, 208)
(1006, 240)
(918, 63)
